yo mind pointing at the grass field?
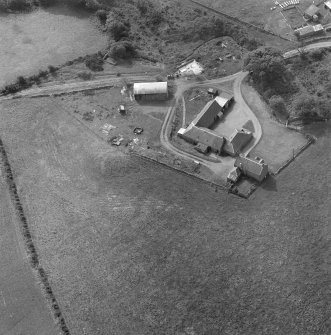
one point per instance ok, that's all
(133, 248)
(278, 143)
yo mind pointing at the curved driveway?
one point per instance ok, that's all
(238, 78)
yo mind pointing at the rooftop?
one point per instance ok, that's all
(249, 164)
(312, 10)
(150, 88)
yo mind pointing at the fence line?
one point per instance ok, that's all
(233, 18)
(311, 139)
(29, 245)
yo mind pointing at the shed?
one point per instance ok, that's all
(253, 168)
(234, 175)
(312, 12)
(150, 91)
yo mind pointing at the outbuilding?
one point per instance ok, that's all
(150, 91)
(312, 12)
(308, 31)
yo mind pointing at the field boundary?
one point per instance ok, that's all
(311, 140)
(167, 165)
(29, 245)
(237, 20)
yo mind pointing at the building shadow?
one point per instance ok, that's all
(270, 184)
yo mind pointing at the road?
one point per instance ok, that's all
(308, 47)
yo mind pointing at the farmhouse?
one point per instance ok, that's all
(150, 91)
(308, 31)
(253, 168)
(237, 141)
(312, 13)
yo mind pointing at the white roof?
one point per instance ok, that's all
(193, 67)
(221, 101)
(150, 88)
(328, 4)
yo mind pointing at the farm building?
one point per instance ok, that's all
(213, 111)
(309, 31)
(327, 5)
(312, 12)
(202, 136)
(237, 141)
(150, 91)
(234, 175)
(190, 68)
(253, 168)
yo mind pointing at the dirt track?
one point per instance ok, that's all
(222, 167)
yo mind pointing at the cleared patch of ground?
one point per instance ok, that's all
(278, 143)
(139, 249)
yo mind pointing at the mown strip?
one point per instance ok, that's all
(30, 248)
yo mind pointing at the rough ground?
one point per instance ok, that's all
(17, 283)
(141, 249)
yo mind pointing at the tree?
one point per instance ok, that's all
(119, 30)
(306, 106)
(265, 63)
(123, 50)
(277, 104)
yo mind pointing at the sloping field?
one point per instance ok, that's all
(30, 42)
(133, 248)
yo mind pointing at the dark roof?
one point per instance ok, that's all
(237, 141)
(312, 10)
(204, 136)
(211, 109)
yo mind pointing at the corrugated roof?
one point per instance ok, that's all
(150, 88)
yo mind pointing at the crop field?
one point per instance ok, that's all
(133, 248)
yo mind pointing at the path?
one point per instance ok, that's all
(308, 47)
(74, 87)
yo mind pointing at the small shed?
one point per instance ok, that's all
(234, 175)
(312, 12)
(150, 91)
